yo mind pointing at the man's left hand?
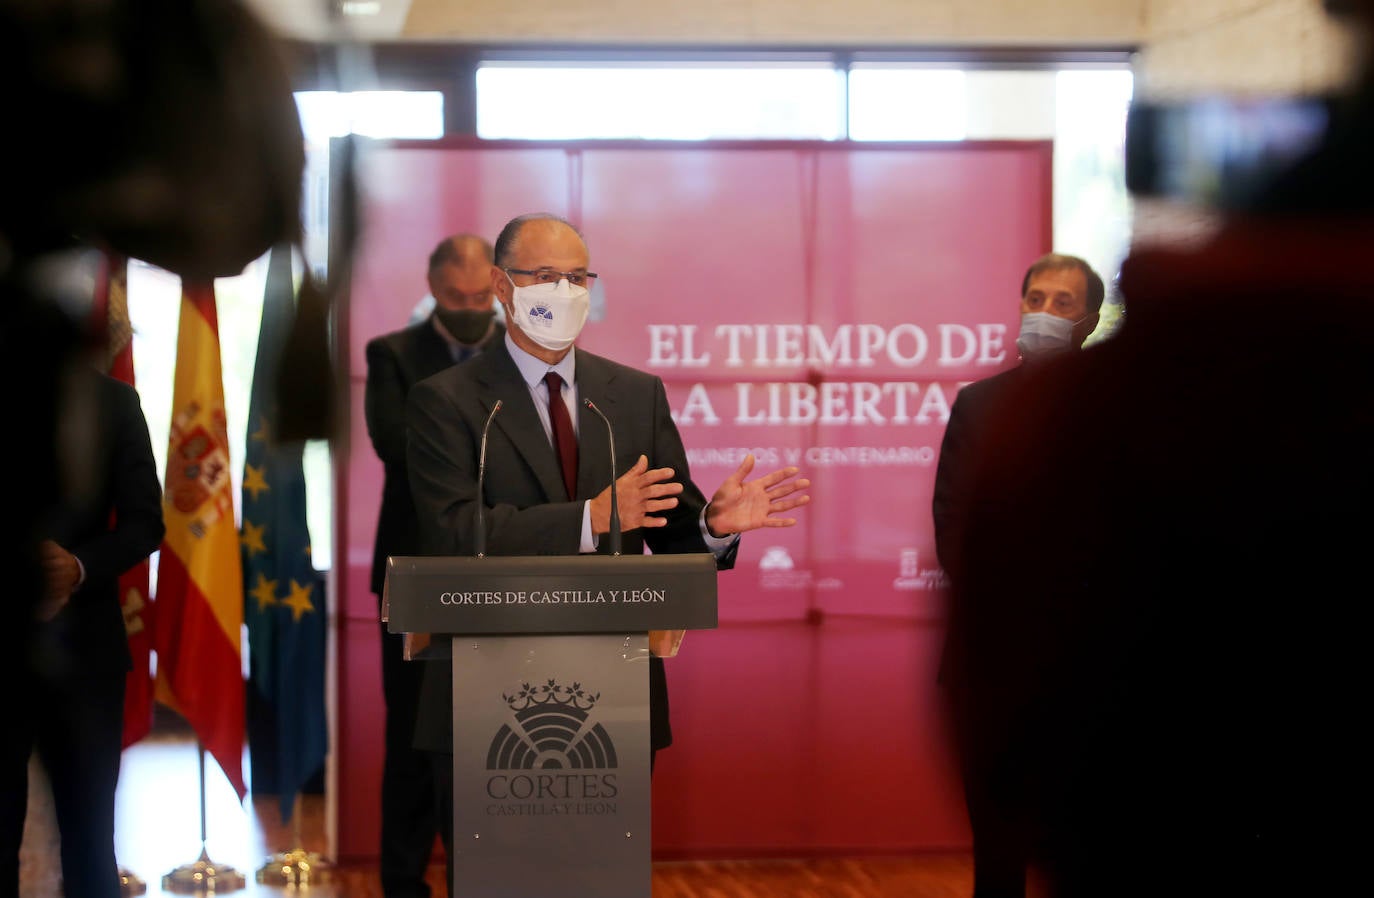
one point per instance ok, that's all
(740, 505)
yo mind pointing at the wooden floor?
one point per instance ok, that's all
(158, 830)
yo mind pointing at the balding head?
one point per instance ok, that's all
(463, 250)
(513, 233)
(460, 273)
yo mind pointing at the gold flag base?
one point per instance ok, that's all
(296, 867)
(203, 877)
(130, 884)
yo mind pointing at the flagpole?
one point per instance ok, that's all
(296, 867)
(284, 594)
(202, 876)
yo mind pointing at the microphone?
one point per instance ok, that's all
(480, 538)
(615, 502)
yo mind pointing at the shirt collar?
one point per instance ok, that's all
(532, 370)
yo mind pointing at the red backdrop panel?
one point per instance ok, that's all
(816, 304)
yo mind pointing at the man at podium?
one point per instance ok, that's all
(527, 406)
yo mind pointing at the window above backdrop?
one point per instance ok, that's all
(660, 101)
(804, 99)
(370, 113)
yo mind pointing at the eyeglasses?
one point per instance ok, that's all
(549, 276)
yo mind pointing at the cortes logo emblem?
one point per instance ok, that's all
(553, 730)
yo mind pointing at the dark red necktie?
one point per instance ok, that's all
(564, 440)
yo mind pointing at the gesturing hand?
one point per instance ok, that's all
(741, 505)
(641, 493)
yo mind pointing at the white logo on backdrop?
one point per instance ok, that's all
(911, 577)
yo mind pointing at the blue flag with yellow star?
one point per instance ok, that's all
(284, 601)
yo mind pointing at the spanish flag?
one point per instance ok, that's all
(199, 602)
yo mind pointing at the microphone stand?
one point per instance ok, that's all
(615, 501)
(663, 643)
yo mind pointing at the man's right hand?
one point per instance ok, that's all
(641, 492)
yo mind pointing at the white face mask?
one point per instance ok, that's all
(1043, 333)
(551, 315)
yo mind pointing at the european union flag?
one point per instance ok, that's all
(284, 601)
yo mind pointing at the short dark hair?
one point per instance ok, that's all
(505, 241)
(1055, 261)
(450, 250)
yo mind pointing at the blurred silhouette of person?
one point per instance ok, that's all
(162, 130)
(1158, 580)
(1061, 297)
(460, 325)
(68, 702)
(547, 480)
(165, 131)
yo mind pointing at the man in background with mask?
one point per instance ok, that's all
(462, 323)
(1060, 299)
(547, 480)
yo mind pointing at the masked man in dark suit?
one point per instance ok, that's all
(69, 701)
(462, 322)
(547, 484)
(1061, 297)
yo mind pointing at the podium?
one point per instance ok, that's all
(550, 708)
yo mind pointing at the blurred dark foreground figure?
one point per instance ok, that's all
(163, 130)
(68, 703)
(1060, 299)
(1161, 593)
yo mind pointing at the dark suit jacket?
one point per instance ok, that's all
(395, 363)
(968, 421)
(528, 509)
(116, 474)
